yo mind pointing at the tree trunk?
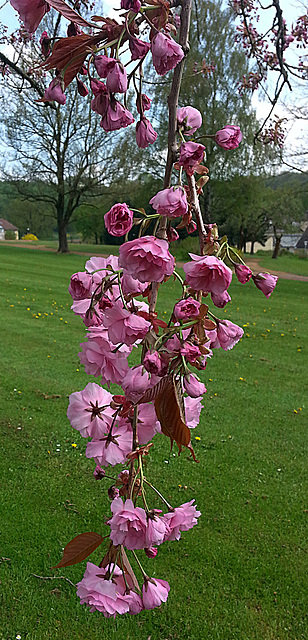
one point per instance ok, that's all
(207, 205)
(277, 247)
(252, 247)
(62, 234)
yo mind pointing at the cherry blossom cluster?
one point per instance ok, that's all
(116, 298)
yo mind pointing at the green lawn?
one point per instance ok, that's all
(289, 263)
(242, 573)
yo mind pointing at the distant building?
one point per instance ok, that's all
(7, 226)
(303, 240)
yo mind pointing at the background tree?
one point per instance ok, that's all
(63, 150)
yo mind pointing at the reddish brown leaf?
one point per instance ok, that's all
(69, 13)
(71, 53)
(79, 548)
(154, 392)
(169, 406)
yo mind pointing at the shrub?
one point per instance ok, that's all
(31, 237)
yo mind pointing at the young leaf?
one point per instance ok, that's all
(69, 13)
(154, 392)
(79, 548)
(169, 408)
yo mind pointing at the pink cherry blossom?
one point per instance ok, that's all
(104, 265)
(229, 137)
(242, 272)
(147, 425)
(103, 64)
(265, 282)
(100, 594)
(155, 531)
(143, 103)
(81, 88)
(80, 285)
(108, 596)
(220, 299)
(170, 202)
(154, 592)
(182, 518)
(116, 117)
(55, 91)
(190, 352)
(99, 358)
(208, 274)
(166, 53)
(116, 80)
(131, 5)
(191, 154)
(228, 334)
(145, 133)
(100, 102)
(125, 327)
(138, 48)
(119, 220)
(112, 449)
(128, 524)
(193, 386)
(193, 409)
(186, 309)
(146, 259)
(154, 363)
(151, 552)
(135, 383)
(190, 119)
(130, 286)
(31, 12)
(89, 411)
(172, 234)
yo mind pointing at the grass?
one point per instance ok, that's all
(288, 262)
(241, 574)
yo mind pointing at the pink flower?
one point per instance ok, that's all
(108, 596)
(98, 473)
(100, 594)
(138, 48)
(154, 363)
(117, 78)
(154, 592)
(147, 425)
(130, 286)
(166, 53)
(220, 299)
(155, 531)
(31, 12)
(146, 259)
(131, 5)
(207, 274)
(191, 154)
(100, 102)
(99, 358)
(55, 91)
(190, 352)
(190, 119)
(182, 518)
(170, 202)
(80, 286)
(89, 411)
(116, 117)
(119, 219)
(128, 524)
(112, 448)
(143, 103)
(265, 282)
(193, 409)
(45, 44)
(229, 137)
(124, 326)
(145, 133)
(135, 383)
(242, 272)
(186, 309)
(151, 553)
(104, 265)
(228, 334)
(103, 64)
(81, 88)
(172, 234)
(193, 387)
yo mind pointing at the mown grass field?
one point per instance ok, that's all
(242, 573)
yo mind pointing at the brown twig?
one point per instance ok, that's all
(194, 200)
(53, 578)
